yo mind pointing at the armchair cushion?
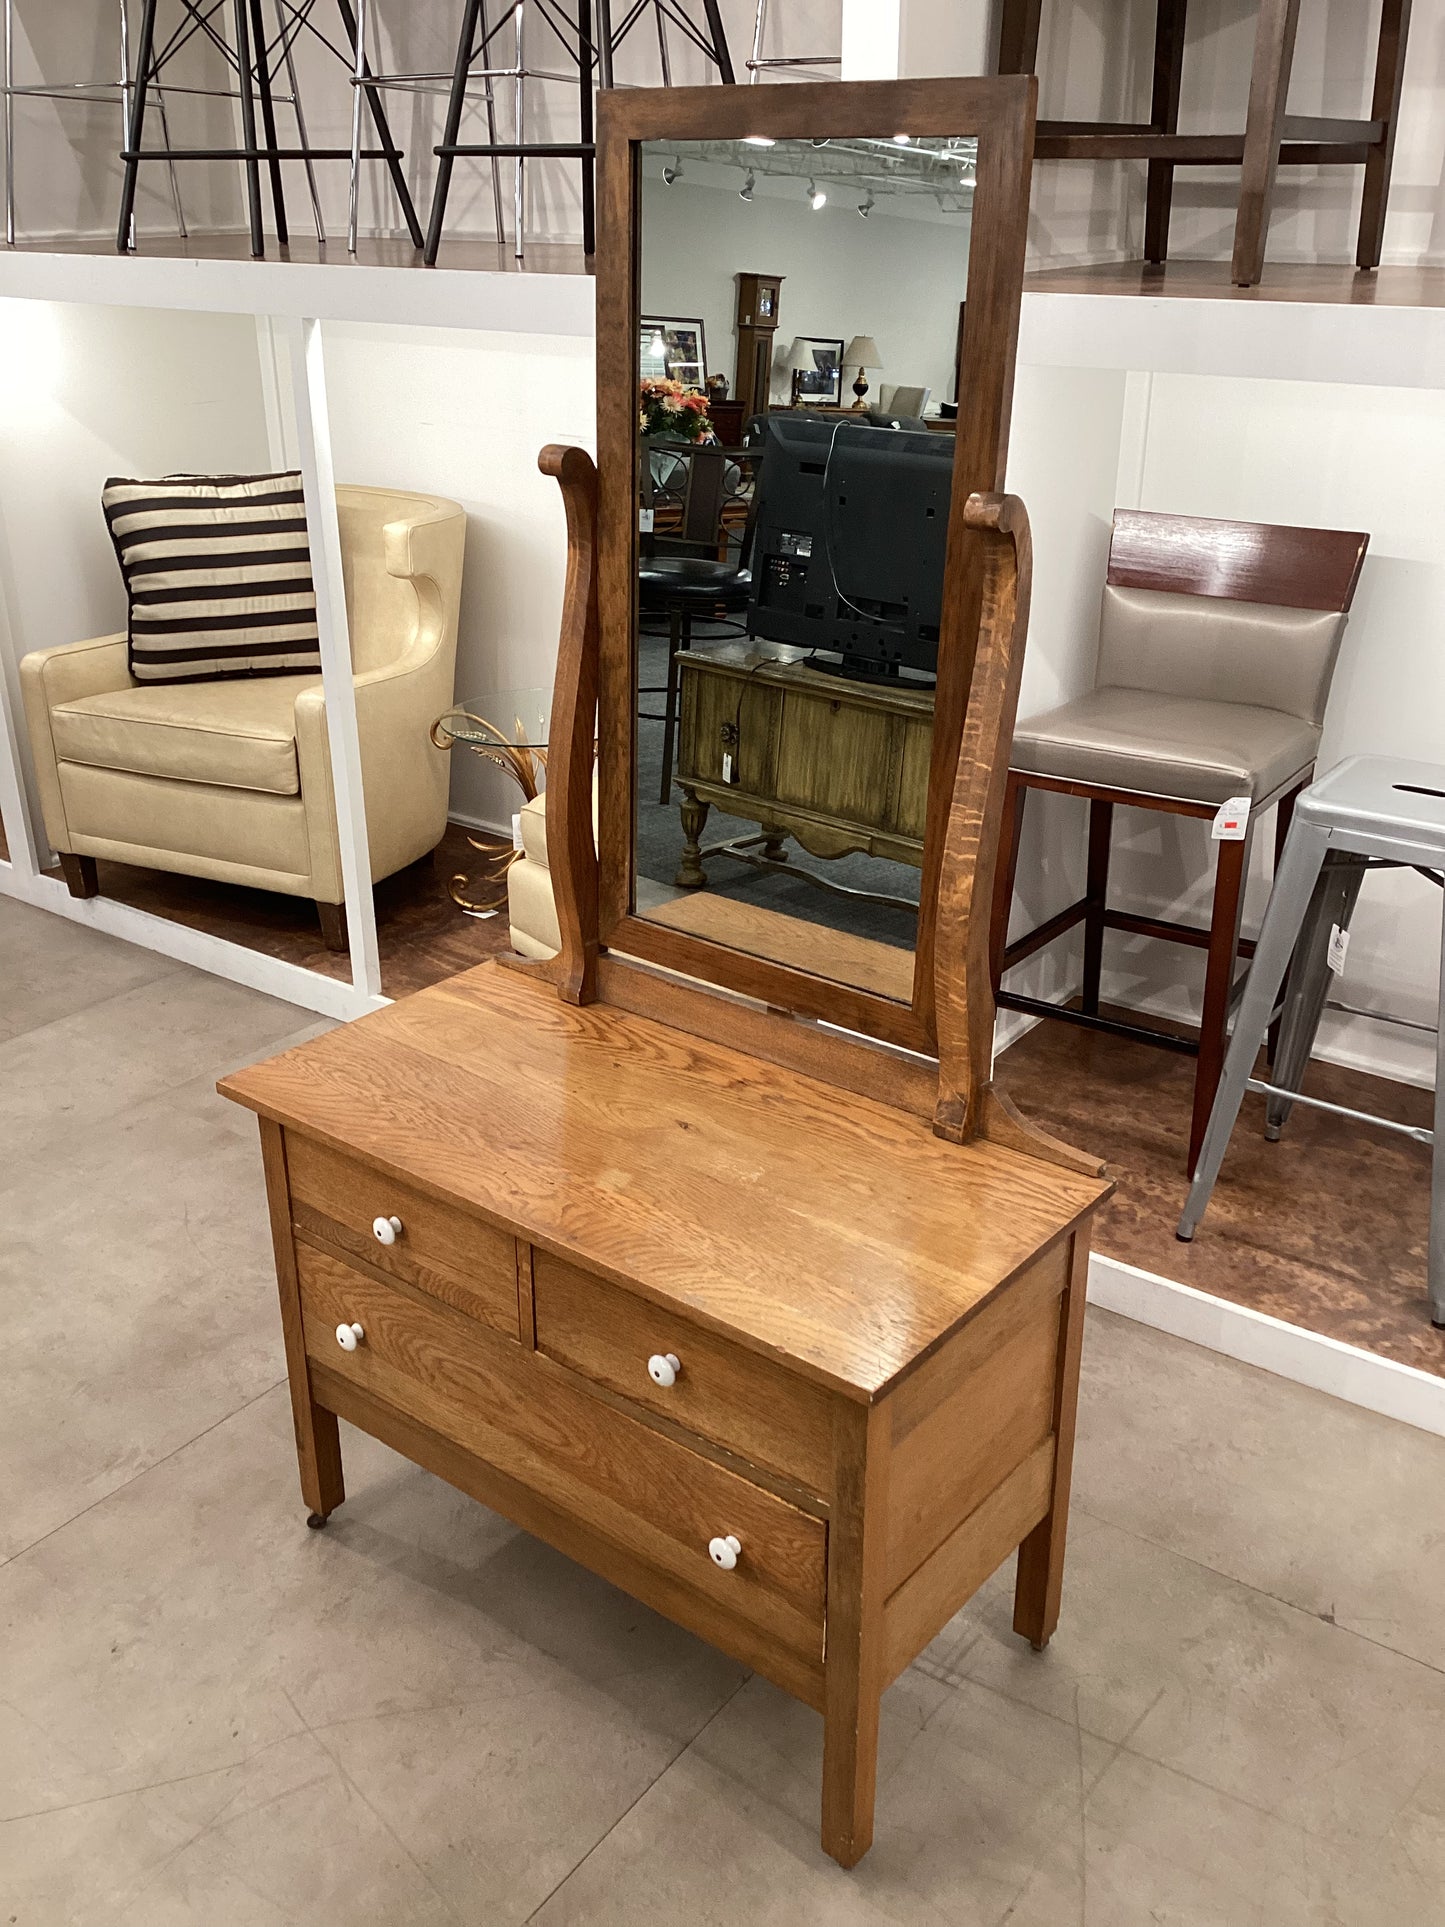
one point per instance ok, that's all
(218, 572)
(234, 734)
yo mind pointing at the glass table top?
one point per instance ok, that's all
(518, 718)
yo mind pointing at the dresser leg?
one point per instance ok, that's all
(853, 1676)
(318, 1437)
(1039, 1585)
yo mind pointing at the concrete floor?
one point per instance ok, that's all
(210, 1715)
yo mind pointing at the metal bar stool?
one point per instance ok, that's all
(117, 90)
(1369, 810)
(255, 59)
(762, 63)
(591, 42)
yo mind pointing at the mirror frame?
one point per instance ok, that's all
(999, 114)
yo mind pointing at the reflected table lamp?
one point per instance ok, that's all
(862, 354)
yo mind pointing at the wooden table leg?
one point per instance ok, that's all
(1268, 87)
(1389, 80)
(1164, 115)
(1038, 1586)
(1218, 984)
(318, 1440)
(853, 1677)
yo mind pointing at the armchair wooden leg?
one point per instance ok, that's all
(333, 925)
(81, 876)
(1268, 88)
(1218, 985)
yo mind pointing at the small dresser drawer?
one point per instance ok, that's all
(659, 1359)
(434, 1246)
(745, 1551)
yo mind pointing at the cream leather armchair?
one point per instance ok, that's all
(232, 779)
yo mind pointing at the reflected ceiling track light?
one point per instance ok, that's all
(865, 208)
(902, 140)
(745, 192)
(759, 140)
(816, 196)
(673, 173)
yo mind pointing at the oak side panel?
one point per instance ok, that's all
(926, 1601)
(318, 1443)
(853, 1678)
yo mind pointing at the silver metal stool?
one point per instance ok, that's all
(1369, 812)
(117, 90)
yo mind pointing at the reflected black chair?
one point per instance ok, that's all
(695, 555)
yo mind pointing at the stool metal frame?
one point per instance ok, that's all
(761, 63)
(1368, 813)
(591, 39)
(255, 59)
(101, 91)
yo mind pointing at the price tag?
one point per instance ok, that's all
(727, 766)
(1231, 820)
(1339, 944)
(517, 831)
(644, 521)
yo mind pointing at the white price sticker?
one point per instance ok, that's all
(727, 766)
(517, 831)
(1231, 820)
(1339, 944)
(644, 521)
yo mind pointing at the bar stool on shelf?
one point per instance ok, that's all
(761, 63)
(117, 90)
(1272, 137)
(1217, 642)
(590, 39)
(1369, 812)
(255, 60)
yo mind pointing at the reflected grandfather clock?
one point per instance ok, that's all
(759, 299)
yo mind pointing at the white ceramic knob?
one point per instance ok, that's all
(386, 1231)
(348, 1337)
(663, 1368)
(724, 1552)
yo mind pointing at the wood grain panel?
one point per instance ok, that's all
(649, 1495)
(943, 1584)
(579, 1540)
(735, 1398)
(1239, 561)
(832, 1233)
(445, 1251)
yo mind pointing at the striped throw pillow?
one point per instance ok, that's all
(218, 572)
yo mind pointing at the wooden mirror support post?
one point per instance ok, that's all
(710, 1295)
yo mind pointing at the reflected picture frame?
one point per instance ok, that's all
(999, 114)
(825, 384)
(683, 355)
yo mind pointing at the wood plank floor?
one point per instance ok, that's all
(1325, 282)
(1326, 1229)
(421, 933)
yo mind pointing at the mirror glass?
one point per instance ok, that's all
(799, 329)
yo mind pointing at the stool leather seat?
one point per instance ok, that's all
(1164, 745)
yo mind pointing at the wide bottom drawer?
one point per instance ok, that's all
(759, 1558)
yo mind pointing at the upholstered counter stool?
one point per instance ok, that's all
(1217, 643)
(1367, 812)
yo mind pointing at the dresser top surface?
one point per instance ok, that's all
(829, 1231)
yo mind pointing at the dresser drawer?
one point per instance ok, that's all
(731, 1396)
(651, 1496)
(441, 1250)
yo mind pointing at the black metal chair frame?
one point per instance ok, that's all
(254, 60)
(591, 40)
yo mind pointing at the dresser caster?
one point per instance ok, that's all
(316, 1520)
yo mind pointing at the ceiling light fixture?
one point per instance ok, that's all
(865, 208)
(902, 140)
(759, 140)
(816, 196)
(745, 192)
(673, 173)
